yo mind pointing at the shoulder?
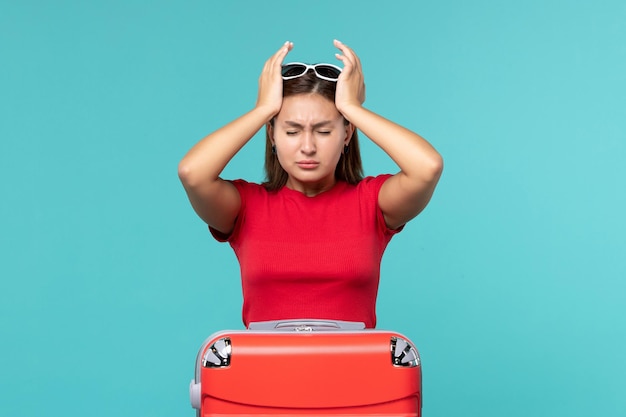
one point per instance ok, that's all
(251, 196)
(245, 185)
(246, 188)
(369, 189)
(372, 184)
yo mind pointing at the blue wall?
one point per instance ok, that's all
(511, 283)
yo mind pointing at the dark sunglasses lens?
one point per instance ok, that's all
(293, 70)
(328, 71)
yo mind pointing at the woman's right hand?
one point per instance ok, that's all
(271, 81)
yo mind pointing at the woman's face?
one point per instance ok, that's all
(310, 135)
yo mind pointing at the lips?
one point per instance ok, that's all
(307, 164)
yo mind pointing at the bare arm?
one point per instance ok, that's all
(406, 194)
(216, 201)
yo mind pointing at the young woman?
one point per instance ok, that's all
(310, 239)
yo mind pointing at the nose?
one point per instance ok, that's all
(308, 144)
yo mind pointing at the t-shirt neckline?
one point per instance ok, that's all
(338, 186)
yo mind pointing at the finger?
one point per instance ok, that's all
(347, 63)
(345, 50)
(283, 51)
(288, 47)
(277, 58)
(349, 54)
(339, 45)
(348, 58)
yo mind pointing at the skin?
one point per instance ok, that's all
(310, 135)
(402, 197)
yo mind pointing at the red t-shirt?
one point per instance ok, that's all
(310, 257)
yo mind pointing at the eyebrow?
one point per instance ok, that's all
(316, 125)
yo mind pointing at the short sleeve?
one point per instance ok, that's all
(371, 188)
(243, 187)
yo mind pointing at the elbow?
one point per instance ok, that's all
(183, 170)
(435, 167)
(194, 176)
(186, 174)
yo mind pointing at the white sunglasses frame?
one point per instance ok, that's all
(313, 67)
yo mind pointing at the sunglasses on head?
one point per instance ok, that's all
(328, 72)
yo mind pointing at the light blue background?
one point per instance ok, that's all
(511, 283)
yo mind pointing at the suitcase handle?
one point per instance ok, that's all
(306, 325)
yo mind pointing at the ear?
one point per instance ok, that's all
(349, 132)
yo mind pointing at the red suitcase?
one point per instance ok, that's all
(307, 368)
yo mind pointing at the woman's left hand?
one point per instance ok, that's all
(350, 85)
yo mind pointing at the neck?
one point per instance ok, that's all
(312, 189)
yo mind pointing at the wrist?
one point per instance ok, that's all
(350, 110)
(266, 112)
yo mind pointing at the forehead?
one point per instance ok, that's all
(307, 108)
